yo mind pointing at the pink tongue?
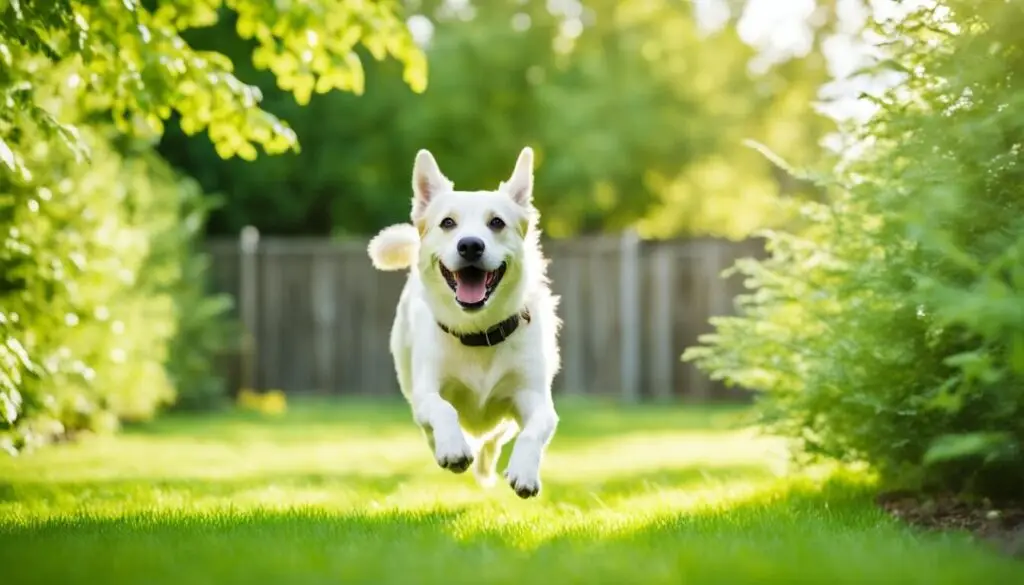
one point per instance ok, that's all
(470, 292)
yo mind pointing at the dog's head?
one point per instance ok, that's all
(475, 246)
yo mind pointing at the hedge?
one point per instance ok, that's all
(888, 328)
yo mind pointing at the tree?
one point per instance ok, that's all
(102, 313)
(134, 63)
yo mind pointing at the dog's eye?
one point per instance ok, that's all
(496, 223)
(447, 223)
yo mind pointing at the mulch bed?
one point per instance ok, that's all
(1000, 525)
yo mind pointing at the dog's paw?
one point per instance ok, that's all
(523, 478)
(454, 454)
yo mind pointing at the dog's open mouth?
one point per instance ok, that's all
(472, 285)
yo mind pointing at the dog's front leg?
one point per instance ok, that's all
(435, 415)
(440, 422)
(538, 420)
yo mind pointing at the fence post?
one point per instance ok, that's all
(629, 315)
(248, 299)
(325, 300)
(662, 321)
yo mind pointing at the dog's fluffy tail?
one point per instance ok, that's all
(395, 247)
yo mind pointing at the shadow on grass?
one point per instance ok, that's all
(806, 534)
(298, 546)
(151, 489)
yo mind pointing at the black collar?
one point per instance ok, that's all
(492, 336)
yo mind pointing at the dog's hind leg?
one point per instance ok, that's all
(486, 463)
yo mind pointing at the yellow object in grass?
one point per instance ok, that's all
(271, 402)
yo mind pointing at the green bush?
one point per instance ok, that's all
(204, 334)
(177, 268)
(889, 327)
(94, 289)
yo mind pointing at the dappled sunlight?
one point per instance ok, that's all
(622, 489)
(631, 453)
(598, 459)
(634, 507)
(603, 471)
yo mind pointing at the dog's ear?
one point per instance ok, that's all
(427, 181)
(520, 185)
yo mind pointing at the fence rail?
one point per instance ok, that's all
(319, 316)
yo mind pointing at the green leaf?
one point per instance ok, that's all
(960, 446)
(416, 73)
(10, 405)
(7, 156)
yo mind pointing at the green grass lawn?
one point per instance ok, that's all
(348, 493)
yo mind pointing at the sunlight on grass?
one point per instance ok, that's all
(665, 491)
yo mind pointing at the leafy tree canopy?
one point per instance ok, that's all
(134, 62)
(637, 115)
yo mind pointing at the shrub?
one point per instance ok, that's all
(204, 334)
(889, 327)
(178, 269)
(93, 289)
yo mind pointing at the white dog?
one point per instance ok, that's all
(474, 338)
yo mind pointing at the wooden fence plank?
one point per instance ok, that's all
(661, 317)
(572, 344)
(325, 310)
(248, 300)
(629, 316)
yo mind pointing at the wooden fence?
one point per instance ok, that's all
(319, 315)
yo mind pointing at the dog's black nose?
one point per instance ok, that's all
(471, 248)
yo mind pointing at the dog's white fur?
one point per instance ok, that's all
(470, 401)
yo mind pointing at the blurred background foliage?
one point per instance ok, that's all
(636, 110)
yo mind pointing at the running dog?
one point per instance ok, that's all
(474, 338)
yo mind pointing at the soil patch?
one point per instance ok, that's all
(1000, 525)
